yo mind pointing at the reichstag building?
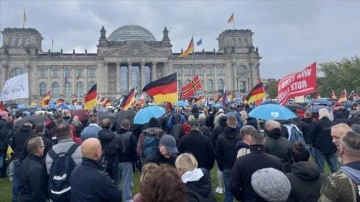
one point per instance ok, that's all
(129, 57)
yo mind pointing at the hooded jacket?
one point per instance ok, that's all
(158, 158)
(177, 131)
(280, 147)
(149, 131)
(19, 139)
(198, 186)
(305, 126)
(320, 135)
(225, 148)
(306, 180)
(219, 129)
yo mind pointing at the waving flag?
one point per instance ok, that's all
(352, 95)
(231, 19)
(199, 42)
(128, 100)
(189, 50)
(191, 88)
(163, 90)
(332, 95)
(90, 98)
(45, 101)
(343, 97)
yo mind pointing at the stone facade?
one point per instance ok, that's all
(129, 57)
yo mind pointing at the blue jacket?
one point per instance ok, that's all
(238, 118)
(91, 130)
(89, 183)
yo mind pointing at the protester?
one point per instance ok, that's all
(226, 154)
(277, 145)
(196, 180)
(243, 145)
(245, 166)
(323, 147)
(30, 184)
(249, 120)
(198, 145)
(219, 113)
(337, 131)
(203, 128)
(344, 184)
(5, 128)
(17, 144)
(146, 172)
(305, 126)
(126, 158)
(164, 185)
(88, 182)
(166, 152)
(152, 134)
(92, 129)
(305, 176)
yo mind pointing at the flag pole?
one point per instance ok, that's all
(233, 21)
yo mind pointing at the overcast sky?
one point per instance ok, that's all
(289, 34)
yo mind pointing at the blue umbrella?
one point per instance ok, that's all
(144, 115)
(272, 112)
(181, 103)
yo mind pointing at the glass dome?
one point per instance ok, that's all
(131, 33)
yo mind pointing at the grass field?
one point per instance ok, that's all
(6, 187)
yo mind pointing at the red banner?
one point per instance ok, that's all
(297, 84)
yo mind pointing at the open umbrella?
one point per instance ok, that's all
(315, 109)
(37, 119)
(320, 101)
(272, 112)
(106, 115)
(144, 115)
(294, 107)
(82, 114)
(181, 103)
(121, 115)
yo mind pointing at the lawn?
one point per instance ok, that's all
(5, 187)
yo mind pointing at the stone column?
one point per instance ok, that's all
(2, 76)
(100, 75)
(129, 75)
(73, 80)
(106, 78)
(182, 75)
(142, 75)
(153, 71)
(36, 81)
(48, 82)
(215, 78)
(62, 83)
(118, 77)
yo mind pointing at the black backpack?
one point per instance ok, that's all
(60, 171)
(125, 141)
(110, 157)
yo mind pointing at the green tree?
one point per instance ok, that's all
(271, 88)
(339, 75)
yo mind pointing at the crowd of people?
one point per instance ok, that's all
(67, 159)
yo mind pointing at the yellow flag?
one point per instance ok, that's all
(9, 152)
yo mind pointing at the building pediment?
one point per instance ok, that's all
(135, 49)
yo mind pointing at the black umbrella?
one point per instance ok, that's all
(37, 119)
(315, 109)
(294, 107)
(121, 115)
(106, 115)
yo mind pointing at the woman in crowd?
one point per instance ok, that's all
(163, 186)
(146, 172)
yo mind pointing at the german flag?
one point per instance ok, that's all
(332, 95)
(45, 101)
(128, 100)
(258, 92)
(90, 98)
(101, 101)
(107, 103)
(343, 97)
(219, 99)
(231, 18)
(60, 101)
(199, 100)
(191, 88)
(163, 90)
(189, 50)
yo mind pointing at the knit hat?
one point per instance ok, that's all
(271, 184)
(202, 116)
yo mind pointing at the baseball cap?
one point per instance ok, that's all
(169, 142)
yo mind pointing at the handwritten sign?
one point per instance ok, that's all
(15, 88)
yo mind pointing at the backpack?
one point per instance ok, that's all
(294, 134)
(125, 141)
(60, 171)
(110, 157)
(151, 143)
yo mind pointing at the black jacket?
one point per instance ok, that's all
(305, 127)
(218, 130)
(245, 166)
(252, 122)
(205, 130)
(225, 148)
(130, 154)
(306, 181)
(320, 135)
(158, 158)
(279, 147)
(90, 184)
(19, 139)
(200, 146)
(177, 130)
(47, 144)
(30, 183)
(5, 127)
(200, 191)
